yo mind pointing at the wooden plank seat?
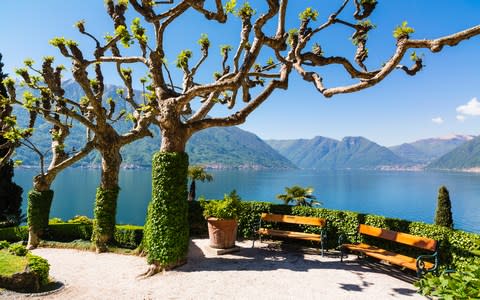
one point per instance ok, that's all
(289, 219)
(419, 264)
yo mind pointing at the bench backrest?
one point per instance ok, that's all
(399, 237)
(294, 219)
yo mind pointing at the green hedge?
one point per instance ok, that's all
(455, 245)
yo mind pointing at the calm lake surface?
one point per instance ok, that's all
(406, 195)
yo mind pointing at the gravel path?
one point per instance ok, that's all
(259, 273)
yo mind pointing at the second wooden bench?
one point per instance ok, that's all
(300, 220)
(419, 264)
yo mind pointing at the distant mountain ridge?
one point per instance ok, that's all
(427, 150)
(325, 153)
(465, 157)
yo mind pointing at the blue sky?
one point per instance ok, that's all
(440, 100)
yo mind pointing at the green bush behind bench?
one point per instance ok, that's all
(455, 245)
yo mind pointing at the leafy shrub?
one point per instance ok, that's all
(66, 232)
(459, 285)
(40, 267)
(228, 208)
(80, 220)
(128, 236)
(55, 221)
(14, 234)
(18, 250)
(4, 244)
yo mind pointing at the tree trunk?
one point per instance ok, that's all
(192, 193)
(38, 210)
(106, 197)
(166, 232)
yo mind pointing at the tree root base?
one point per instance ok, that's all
(154, 269)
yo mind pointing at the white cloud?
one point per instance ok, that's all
(472, 108)
(461, 118)
(437, 120)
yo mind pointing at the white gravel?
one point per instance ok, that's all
(259, 273)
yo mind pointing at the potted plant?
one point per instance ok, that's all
(222, 222)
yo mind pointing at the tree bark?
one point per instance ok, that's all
(191, 194)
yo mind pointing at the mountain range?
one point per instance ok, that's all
(232, 147)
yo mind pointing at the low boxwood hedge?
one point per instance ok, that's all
(455, 245)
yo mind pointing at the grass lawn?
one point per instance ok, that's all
(11, 264)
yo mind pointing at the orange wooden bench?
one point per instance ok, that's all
(300, 220)
(419, 264)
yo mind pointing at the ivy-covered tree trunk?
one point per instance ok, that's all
(106, 198)
(166, 233)
(38, 210)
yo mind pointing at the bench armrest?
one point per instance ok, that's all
(421, 269)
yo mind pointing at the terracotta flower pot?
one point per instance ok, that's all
(222, 233)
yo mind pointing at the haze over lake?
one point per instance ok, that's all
(406, 195)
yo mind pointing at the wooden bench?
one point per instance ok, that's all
(419, 264)
(300, 220)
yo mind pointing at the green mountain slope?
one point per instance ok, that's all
(464, 157)
(326, 153)
(427, 150)
(215, 147)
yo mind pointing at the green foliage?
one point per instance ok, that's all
(18, 250)
(4, 245)
(230, 7)
(402, 31)
(368, 2)
(443, 213)
(11, 195)
(199, 173)
(166, 235)
(299, 195)
(125, 37)
(182, 59)
(104, 216)
(245, 12)
(414, 57)
(80, 220)
(40, 267)
(138, 31)
(228, 208)
(292, 36)
(224, 49)
(28, 62)
(458, 285)
(14, 234)
(204, 42)
(38, 209)
(249, 215)
(128, 236)
(67, 232)
(308, 14)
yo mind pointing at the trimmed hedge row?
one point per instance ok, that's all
(455, 245)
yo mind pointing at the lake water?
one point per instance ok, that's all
(406, 195)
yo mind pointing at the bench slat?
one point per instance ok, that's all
(293, 219)
(291, 234)
(399, 237)
(398, 259)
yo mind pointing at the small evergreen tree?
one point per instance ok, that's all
(10, 193)
(443, 213)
